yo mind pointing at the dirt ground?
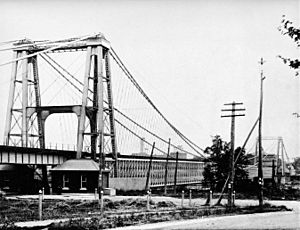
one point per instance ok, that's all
(280, 220)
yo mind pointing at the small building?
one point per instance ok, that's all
(270, 170)
(181, 155)
(76, 175)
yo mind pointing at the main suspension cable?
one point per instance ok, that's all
(134, 82)
(49, 49)
(117, 110)
(148, 131)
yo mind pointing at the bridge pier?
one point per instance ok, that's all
(45, 181)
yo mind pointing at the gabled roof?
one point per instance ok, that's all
(77, 165)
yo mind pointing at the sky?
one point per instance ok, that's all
(189, 56)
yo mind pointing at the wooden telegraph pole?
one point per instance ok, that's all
(231, 158)
(166, 169)
(175, 174)
(147, 187)
(260, 169)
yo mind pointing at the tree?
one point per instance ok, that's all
(217, 165)
(296, 164)
(288, 29)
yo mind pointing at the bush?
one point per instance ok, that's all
(165, 204)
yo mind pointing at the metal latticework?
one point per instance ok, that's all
(107, 126)
(26, 116)
(188, 172)
(22, 129)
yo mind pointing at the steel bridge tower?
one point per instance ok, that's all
(26, 116)
(280, 160)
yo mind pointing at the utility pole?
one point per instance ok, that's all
(175, 174)
(147, 187)
(166, 169)
(282, 164)
(279, 176)
(273, 174)
(260, 157)
(231, 157)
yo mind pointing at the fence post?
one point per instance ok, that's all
(96, 194)
(148, 199)
(101, 202)
(182, 198)
(190, 200)
(40, 204)
(210, 197)
(233, 198)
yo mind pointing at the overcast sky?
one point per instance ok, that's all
(191, 57)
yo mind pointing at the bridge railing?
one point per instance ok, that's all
(61, 146)
(48, 145)
(188, 172)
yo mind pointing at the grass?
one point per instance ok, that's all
(26, 210)
(118, 213)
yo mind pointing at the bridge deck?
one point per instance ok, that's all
(33, 156)
(132, 169)
(133, 172)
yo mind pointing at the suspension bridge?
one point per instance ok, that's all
(102, 114)
(276, 162)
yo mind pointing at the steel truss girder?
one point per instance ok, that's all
(189, 172)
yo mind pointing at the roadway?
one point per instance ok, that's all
(274, 220)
